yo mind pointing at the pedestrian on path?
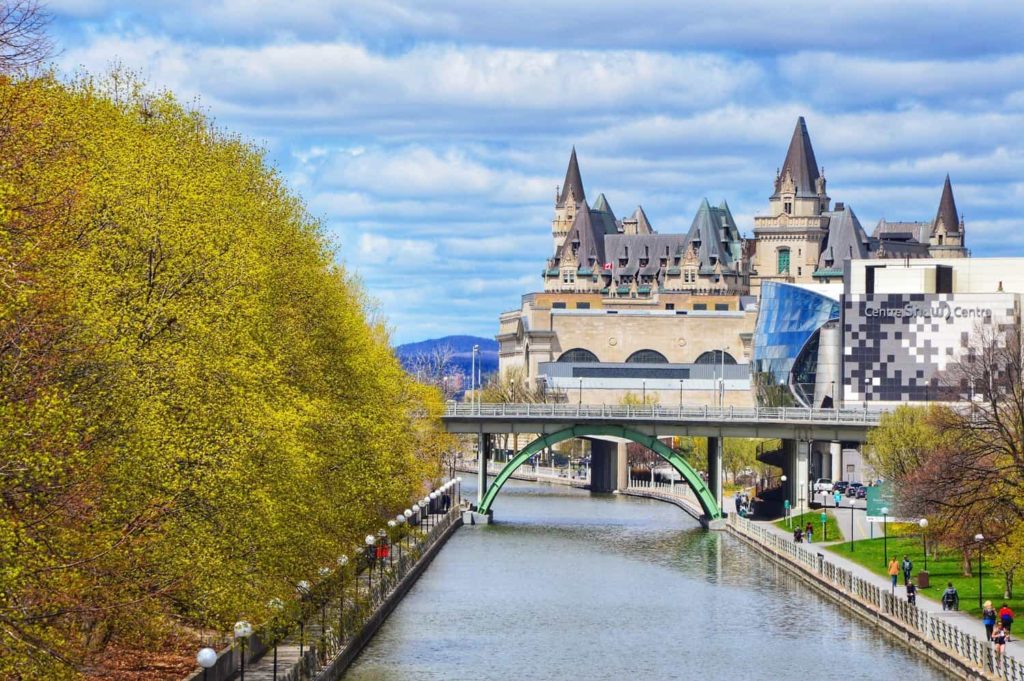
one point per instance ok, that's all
(950, 598)
(798, 535)
(908, 566)
(1006, 619)
(911, 594)
(894, 571)
(999, 637)
(988, 618)
(809, 532)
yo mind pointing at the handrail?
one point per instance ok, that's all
(839, 416)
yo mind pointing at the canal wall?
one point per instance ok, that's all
(942, 643)
(669, 493)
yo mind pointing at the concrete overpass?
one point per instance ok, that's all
(607, 426)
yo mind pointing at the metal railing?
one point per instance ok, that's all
(783, 415)
(969, 649)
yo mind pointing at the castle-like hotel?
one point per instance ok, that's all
(802, 238)
(624, 306)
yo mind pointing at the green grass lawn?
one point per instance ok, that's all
(944, 567)
(831, 526)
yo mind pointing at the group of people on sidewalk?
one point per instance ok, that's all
(801, 534)
(997, 624)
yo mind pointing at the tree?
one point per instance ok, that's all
(23, 39)
(197, 405)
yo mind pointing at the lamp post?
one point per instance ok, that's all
(721, 389)
(923, 523)
(979, 538)
(853, 503)
(785, 505)
(458, 490)
(303, 590)
(342, 562)
(680, 395)
(400, 520)
(885, 535)
(243, 630)
(472, 369)
(370, 558)
(206, 657)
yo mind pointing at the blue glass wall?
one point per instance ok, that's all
(787, 317)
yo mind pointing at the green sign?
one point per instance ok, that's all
(785, 503)
(824, 518)
(879, 497)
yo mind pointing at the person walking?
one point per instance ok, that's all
(988, 618)
(894, 571)
(999, 638)
(907, 566)
(1006, 619)
(911, 594)
(950, 598)
(809, 532)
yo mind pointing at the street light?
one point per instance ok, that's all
(303, 590)
(458, 489)
(853, 503)
(785, 500)
(979, 538)
(342, 562)
(206, 657)
(243, 630)
(885, 535)
(923, 522)
(370, 558)
(472, 380)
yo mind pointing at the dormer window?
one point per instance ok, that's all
(787, 207)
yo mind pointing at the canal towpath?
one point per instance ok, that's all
(962, 620)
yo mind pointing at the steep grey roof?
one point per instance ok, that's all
(586, 238)
(920, 232)
(846, 240)
(947, 209)
(573, 181)
(603, 216)
(712, 232)
(800, 162)
(643, 225)
(635, 248)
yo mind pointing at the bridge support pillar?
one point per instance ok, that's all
(621, 467)
(715, 468)
(835, 449)
(797, 458)
(604, 465)
(483, 447)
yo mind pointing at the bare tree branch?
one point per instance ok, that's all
(23, 39)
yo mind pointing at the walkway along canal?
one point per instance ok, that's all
(571, 585)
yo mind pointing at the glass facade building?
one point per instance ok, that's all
(786, 342)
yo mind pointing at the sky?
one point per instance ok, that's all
(430, 136)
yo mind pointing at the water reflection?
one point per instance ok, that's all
(571, 585)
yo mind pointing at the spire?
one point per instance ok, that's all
(947, 209)
(800, 162)
(643, 225)
(572, 181)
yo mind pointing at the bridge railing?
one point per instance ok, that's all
(850, 416)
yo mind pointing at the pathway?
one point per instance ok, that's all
(962, 620)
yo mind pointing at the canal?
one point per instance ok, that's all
(573, 586)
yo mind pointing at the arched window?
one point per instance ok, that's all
(647, 357)
(715, 357)
(783, 261)
(577, 355)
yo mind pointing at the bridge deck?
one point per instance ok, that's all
(782, 422)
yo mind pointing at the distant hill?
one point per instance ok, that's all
(462, 346)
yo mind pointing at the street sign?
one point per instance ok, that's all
(824, 518)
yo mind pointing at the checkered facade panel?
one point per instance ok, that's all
(901, 347)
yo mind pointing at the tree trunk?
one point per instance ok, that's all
(1008, 584)
(967, 564)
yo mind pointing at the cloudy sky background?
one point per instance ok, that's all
(430, 136)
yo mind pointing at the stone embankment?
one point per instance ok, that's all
(553, 476)
(932, 636)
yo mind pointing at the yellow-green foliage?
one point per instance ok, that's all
(196, 410)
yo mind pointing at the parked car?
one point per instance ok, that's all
(851, 491)
(822, 485)
(862, 492)
(840, 486)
